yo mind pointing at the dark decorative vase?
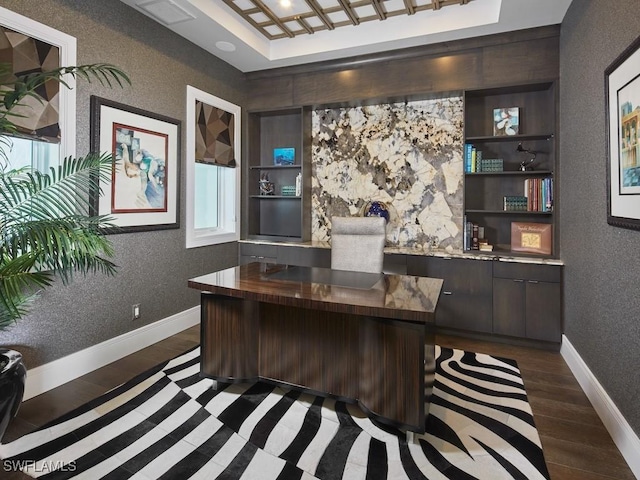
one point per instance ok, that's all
(13, 374)
(377, 209)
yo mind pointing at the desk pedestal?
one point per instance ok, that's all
(386, 366)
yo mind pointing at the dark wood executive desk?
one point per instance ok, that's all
(358, 337)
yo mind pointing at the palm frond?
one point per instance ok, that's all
(19, 284)
(15, 90)
(64, 191)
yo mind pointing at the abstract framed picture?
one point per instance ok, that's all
(142, 193)
(622, 93)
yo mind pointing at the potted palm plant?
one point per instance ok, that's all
(47, 226)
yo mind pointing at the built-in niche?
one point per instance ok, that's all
(407, 155)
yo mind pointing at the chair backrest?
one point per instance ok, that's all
(357, 243)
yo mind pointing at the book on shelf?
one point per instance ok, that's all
(515, 203)
(531, 237)
(491, 165)
(539, 194)
(474, 161)
(473, 235)
(468, 150)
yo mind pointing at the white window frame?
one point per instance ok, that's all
(228, 229)
(68, 51)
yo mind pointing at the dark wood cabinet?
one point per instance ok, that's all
(466, 299)
(485, 190)
(280, 215)
(255, 252)
(527, 301)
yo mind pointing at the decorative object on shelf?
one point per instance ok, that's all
(266, 187)
(298, 189)
(531, 237)
(526, 164)
(377, 209)
(622, 80)
(142, 191)
(284, 156)
(506, 121)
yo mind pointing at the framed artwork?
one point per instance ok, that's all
(506, 121)
(622, 93)
(531, 237)
(284, 156)
(143, 190)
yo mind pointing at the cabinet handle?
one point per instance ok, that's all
(519, 280)
(533, 281)
(447, 293)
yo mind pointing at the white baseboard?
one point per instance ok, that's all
(53, 374)
(623, 435)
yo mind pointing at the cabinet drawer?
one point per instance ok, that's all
(527, 271)
(258, 250)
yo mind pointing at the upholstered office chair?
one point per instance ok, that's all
(357, 243)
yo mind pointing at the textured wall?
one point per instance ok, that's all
(602, 273)
(154, 266)
(407, 155)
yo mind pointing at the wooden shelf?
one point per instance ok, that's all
(510, 138)
(507, 212)
(516, 173)
(273, 167)
(276, 197)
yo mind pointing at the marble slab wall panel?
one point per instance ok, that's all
(407, 155)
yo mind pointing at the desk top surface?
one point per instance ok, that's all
(401, 297)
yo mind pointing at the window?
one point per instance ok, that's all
(213, 170)
(35, 153)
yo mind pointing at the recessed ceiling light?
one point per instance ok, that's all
(285, 3)
(226, 46)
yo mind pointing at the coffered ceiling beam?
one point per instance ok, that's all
(272, 16)
(318, 11)
(347, 9)
(379, 9)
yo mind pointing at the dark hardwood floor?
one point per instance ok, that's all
(576, 444)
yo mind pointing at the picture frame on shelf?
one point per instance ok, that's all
(506, 121)
(527, 237)
(142, 193)
(622, 94)
(284, 156)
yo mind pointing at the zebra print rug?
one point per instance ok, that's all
(168, 423)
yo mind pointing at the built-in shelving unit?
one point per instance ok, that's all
(279, 217)
(485, 192)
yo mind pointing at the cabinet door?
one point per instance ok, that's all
(544, 311)
(466, 299)
(509, 307)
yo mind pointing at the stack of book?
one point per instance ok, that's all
(288, 190)
(515, 203)
(491, 165)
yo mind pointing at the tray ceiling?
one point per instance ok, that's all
(256, 35)
(281, 19)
